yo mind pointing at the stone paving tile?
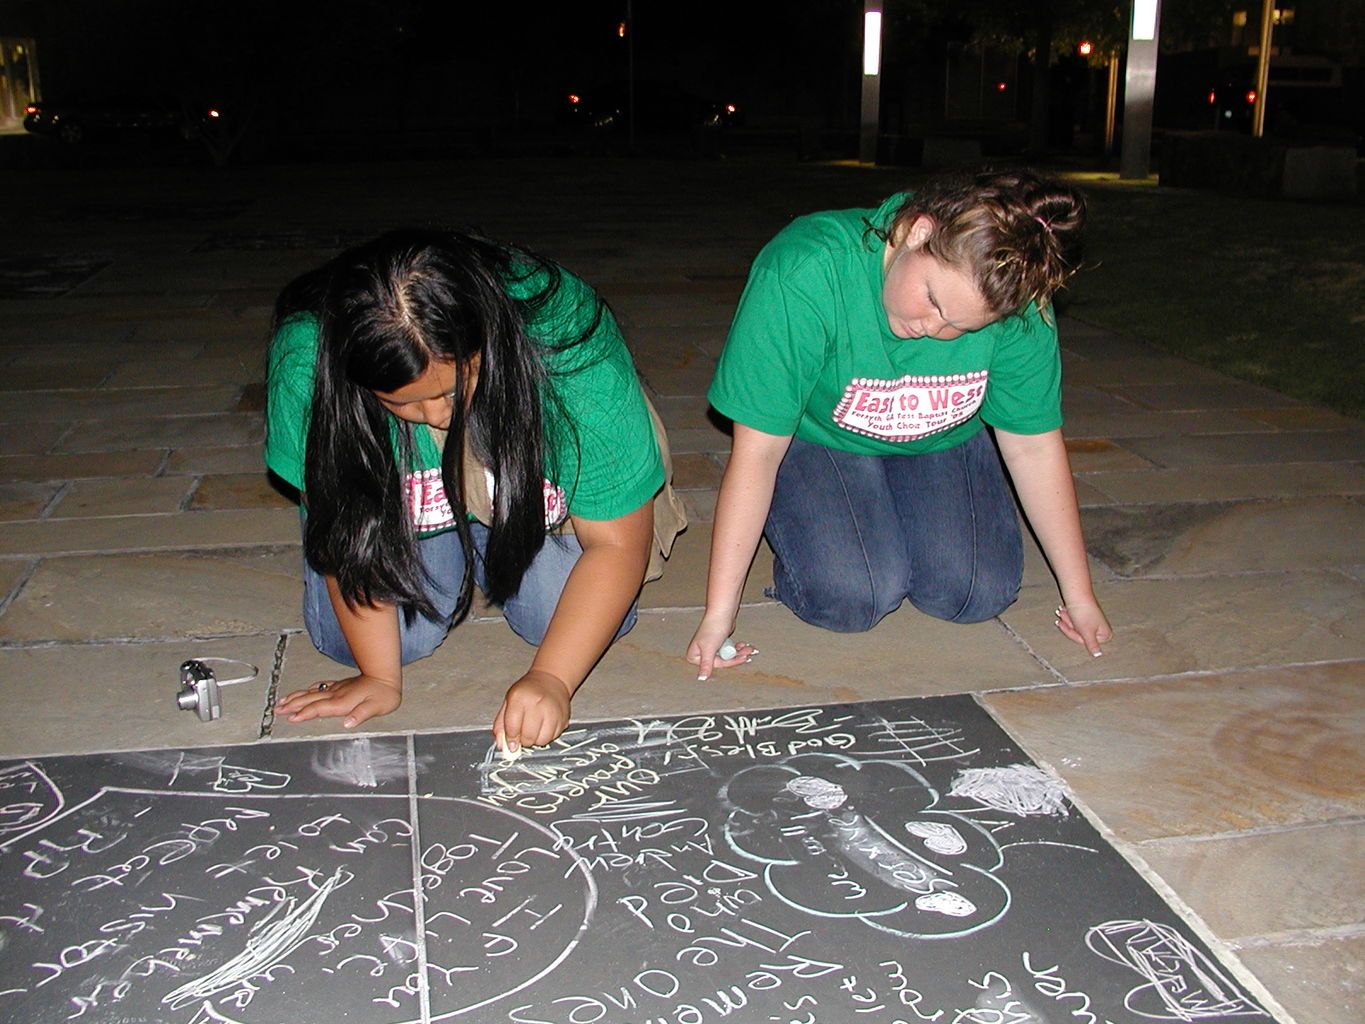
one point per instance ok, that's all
(699, 505)
(1210, 393)
(644, 309)
(1319, 983)
(644, 674)
(1261, 883)
(1093, 455)
(684, 411)
(906, 654)
(674, 366)
(1227, 537)
(201, 325)
(76, 467)
(1207, 754)
(215, 529)
(1097, 343)
(1131, 422)
(215, 459)
(1229, 483)
(12, 572)
(683, 584)
(160, 374)
(1080, 399)
(1164, 627)
(694, 471)
(1088, 495)
(56, 377)
(75, 699)
(165, 432)
(190, 594)
(1125, 371)
(458, 687)
(237, 490)
(1251, 449)
(24, 501)
(1305, 418)
(690, 439)
(24, 438)
(121, 497)
(125, 404)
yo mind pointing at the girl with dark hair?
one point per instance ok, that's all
(456, 413)
(870, 350)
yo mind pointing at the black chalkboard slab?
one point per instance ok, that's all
(894, 861)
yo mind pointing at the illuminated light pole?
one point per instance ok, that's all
(1263, 69)
(872, 82)
(1139, 86)
(1111, 102)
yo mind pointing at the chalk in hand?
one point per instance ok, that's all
(727, 651)
(510, 754)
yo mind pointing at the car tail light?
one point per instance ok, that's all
(31, 109)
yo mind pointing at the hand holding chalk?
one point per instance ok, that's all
(727, 650)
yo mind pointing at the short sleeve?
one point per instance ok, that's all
(1024, 396)
(289, 397)
(600, 436)
(777, 345)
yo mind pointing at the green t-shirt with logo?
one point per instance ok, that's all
(810, 353)
(602, 457)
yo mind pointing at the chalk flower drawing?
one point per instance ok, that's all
(865, 840)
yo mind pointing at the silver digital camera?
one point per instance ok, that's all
(199, 691)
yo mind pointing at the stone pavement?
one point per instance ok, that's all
(1218, 743)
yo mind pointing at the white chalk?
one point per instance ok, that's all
(727, 651)
(510, 756)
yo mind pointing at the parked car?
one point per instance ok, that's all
(76, 119)
(659, 107)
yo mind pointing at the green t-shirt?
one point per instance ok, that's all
(810, 353)
(602, 457)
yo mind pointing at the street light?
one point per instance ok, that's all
(1139, 97)
(872, 82)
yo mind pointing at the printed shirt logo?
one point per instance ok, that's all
(427, 502)
(910, 407)
(556, 506)
(430, 508)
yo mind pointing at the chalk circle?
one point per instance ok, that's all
(537, 892)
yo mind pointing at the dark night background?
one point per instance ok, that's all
(391, 71)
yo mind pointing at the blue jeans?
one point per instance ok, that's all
(528, 611)
(855, 535)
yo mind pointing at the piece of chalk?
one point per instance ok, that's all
(509, 755)
(727, 651)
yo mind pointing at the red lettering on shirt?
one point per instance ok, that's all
(910, 407)
(427, 503)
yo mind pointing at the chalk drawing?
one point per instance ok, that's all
(1181, 983)
(803, 818)
(1017, 788)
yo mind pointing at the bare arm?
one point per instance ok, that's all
(598, 593)
(746, 494)
(1041, 472)
(371, 632)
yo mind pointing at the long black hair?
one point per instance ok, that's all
(386, 311)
